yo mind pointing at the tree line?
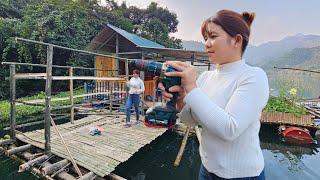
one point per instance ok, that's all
(71, 23)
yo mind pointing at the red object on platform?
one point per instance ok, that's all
(296, 135)
(155, 126)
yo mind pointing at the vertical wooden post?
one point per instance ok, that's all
(96, 74)
(85, 91)
(192, 60)
(142, 99)
(127, 69)
(154, 84)
(117, 55)
(111, 95)
(12, 101)
(127, 79)
(94, 90)
(48, 99)
(71, 96)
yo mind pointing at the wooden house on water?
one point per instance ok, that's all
(120, 43)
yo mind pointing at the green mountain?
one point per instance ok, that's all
(307, 83)
(298, 51)
(262, 54)
(306, 58)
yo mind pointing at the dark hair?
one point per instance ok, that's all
(232, 23)
(136, 71)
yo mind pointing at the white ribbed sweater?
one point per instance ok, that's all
(227, 104)
(136, 86)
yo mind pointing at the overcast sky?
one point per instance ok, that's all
(275, 19)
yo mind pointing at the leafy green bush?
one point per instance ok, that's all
(281, 104)
(290, 93)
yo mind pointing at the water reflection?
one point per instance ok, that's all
(288, 161)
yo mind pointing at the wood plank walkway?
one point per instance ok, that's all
(100, 154)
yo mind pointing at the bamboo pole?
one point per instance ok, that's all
(38, 102)
(115, 177)
(48, 99)
(111, 95)
(27, 165)
(28, 156)
(20, 160)
(54, 167)
(182, 147)
(110, 113)
(18, 149)
(90, 175)
(30, 103)
(6, 142)
(36, 171)
(65, 78)
(198, 133)
(71, 96)
(55, 66)
(61, 171)
(65, 145)
(36, 122)
(12, 101)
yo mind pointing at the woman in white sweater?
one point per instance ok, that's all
(136, 87)
(227, 102)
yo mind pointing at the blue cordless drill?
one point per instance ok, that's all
(160, 115)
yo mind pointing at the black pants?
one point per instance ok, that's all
(204, 174)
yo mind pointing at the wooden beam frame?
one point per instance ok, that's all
(62, 78)
(127, 53)
(105, 42)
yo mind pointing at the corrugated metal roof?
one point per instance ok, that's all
(138, 41)
(106, 40)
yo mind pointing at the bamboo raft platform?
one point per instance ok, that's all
(288, 119)
(100, 154)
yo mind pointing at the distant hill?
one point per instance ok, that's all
(301, 58)
(262, 54)
(305, 58)
(298, 51)
(193, 45)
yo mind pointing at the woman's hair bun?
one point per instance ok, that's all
(248, 17)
